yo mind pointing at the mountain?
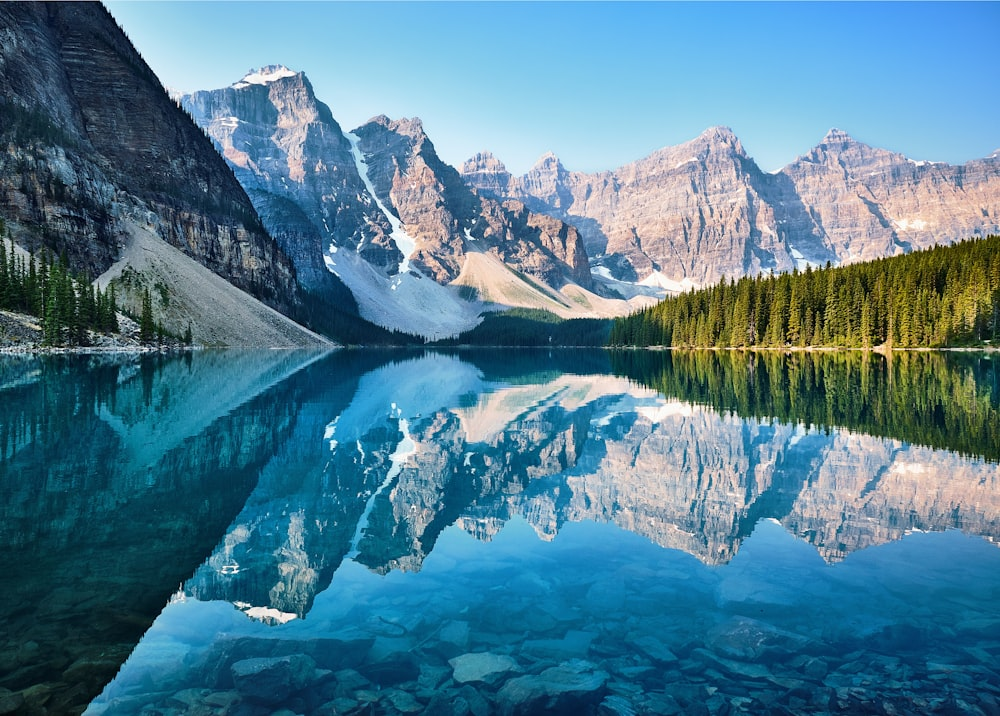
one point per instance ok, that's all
(687, 215)
(101, 166)
(377, 209)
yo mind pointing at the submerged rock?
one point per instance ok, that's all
(10, 702)
(573, 686)
(483, 666)
(402, 701)
(575, 644)
(616, 706)
(273, 680)
(748, 639)
(654, 649)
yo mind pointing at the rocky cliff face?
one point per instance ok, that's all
(867, 202)
(376, 207)
(690, 214)
(292, 157)
(93, 146)
(445, 218)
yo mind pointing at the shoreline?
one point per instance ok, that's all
(91, 350)
(815, 349)
(34, 349)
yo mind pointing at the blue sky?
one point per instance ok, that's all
(602, 84)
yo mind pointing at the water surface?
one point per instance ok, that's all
(500, 533)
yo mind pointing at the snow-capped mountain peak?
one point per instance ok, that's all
(265, 75)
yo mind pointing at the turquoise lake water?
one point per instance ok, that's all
(487, 532)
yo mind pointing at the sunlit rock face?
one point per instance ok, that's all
(868, 202)
(294, 160)
(93, 146)
(374, 208)
(446, 219)
(696, 212)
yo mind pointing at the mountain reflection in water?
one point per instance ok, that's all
(487, 532)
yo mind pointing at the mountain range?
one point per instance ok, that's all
(686, 216)
(298, 219)
(377, 208)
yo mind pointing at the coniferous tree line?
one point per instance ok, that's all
(943, 296)
(67, 305)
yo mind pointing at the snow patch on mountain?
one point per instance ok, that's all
(660, 280)
(403, 452)
(494, 412)
(629, 290)
(908, 224)
(801, 262)
(433, 381)
(264, 76)
(667, 410)
(404, 242)
(406, 302)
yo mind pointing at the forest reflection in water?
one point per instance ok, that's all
(594, 530)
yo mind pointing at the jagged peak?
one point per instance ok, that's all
(712, 139)
(547, 162)
(265, 75)
(485, 155)
(713, 136)
(719, 133)
(410, 126)
(483, 161)
(838, 136)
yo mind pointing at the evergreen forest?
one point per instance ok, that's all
(939, 297)
(68, 306)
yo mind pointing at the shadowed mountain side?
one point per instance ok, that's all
(95, 150)
(297, 526)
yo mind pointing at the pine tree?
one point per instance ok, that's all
(866, 325)
(51, 330)
(110, 322)
(147, 327)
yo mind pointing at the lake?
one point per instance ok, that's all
(258, 532)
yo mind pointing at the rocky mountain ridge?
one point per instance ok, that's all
(690, 214)
(378, 209)
(96, 151)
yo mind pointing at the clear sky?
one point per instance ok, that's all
(604, 83)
